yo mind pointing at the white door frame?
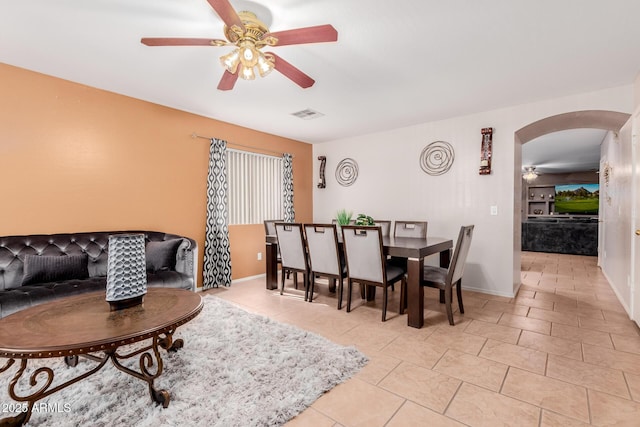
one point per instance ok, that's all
(635, 220)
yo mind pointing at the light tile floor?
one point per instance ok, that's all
(562, 353)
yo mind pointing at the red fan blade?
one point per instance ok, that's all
(226, 12)
(291, 72)
(319, 34)
(164, 41)
(228, 81)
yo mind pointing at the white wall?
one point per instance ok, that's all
(616, 213)
(618, 257)
(636, 92)
(635, 215)
(391, 184)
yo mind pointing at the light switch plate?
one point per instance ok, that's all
(494, 210)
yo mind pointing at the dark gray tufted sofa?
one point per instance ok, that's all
(15, 296)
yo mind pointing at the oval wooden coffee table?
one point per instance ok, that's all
(84, 326)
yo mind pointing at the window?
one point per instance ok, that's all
(255, 187)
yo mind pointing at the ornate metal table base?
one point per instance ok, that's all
(149, 358)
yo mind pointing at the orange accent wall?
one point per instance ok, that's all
(75, 158)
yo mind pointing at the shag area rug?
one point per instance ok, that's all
(236, 369)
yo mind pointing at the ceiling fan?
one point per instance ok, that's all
(249, 35)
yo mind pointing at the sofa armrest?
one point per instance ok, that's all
(186, 257)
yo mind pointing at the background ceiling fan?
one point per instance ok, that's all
(249, 35)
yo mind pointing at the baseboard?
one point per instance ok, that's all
(515, 291)
(487, 291)
(324, 281)
(615, 291)
(242, 279)
(246, 279)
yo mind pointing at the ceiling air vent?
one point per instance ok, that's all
(307, 114)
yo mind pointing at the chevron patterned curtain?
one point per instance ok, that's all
(217, 256)
(287, 187)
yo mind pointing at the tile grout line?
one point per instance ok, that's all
(589, 407)
(396, 412)
(504, 379)
(444, 412)
(624, 375)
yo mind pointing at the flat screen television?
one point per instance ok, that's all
(577, 199)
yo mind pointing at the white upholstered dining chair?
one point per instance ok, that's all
(270, 230)
(270, 226)
(324, 256)
(366, 264)
(293, 252)
(416, 229)
(410, 229)
(446, 278)
(385, 226)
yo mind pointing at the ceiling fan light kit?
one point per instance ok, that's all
(249, 35)
(247, 55)
(530, 174)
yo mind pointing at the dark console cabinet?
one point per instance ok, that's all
(578, 236)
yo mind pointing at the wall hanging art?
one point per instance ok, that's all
(347, 172)
(437, 158)
(322, 183)
(486, 149)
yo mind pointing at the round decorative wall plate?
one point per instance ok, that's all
(347, 172)
(437, 158)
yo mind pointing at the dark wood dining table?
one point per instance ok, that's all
(415, 250)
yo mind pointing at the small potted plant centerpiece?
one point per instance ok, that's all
(363, 219)
(343, 217)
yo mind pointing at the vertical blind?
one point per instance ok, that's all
(255, 187)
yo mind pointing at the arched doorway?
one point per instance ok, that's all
(596, 119)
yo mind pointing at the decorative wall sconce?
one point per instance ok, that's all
(322, 182)
(486, 150)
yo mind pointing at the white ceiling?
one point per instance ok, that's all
(574, 150)
(396, 63)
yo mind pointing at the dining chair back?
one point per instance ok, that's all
(270, 226)
(364, 253)
(460, 253)
(410, 229)
(270, 230)
(366, 263)
(385, 226)
(446, 278)
(324, 256)
(292, 251)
